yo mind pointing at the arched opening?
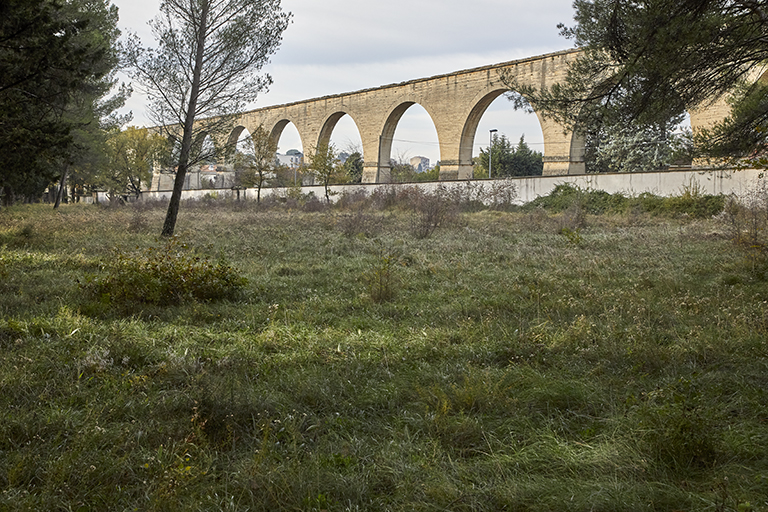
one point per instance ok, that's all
(410, 148)
(346, 136)
(614, 135)
(210, 173)
(341, 131)
(163, 175)
(623, 147)
(290, 154)
(244, 144)
(208, 154)
(517, 140)
(239, 141)
(516, 137)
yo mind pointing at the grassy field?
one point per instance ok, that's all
(521, 360)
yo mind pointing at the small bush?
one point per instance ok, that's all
(502, 195)
(166, 276)
(381, 277)
(359, 223)
(694, 203)
(313, 205)
(573, 235)
(352, 200)
(433, 210)
(574, 218)
(747, 219)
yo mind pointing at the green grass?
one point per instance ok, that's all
(510, 365)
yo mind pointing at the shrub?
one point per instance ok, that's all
(595, 202)
(359, 223)
(381, 277)
(166, 276)
(692, 202)
(747, 219)
(501, 195)
(356, 199)
(432, 210)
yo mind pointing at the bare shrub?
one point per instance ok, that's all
(356, 199)
(501, 195)
(359, 223)
(474, 196)
(384, 198)
(432, 210)
(746, 221)
(573, 218)
(138, 222)
(538, 221)
(747, 218)
(313, 204)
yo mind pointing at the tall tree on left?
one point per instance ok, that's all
(205, 69)
(57, 62)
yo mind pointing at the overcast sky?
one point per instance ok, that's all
(335, 46)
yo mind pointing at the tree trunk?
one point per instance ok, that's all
(7, 197)
(62, 187)
(169, 225)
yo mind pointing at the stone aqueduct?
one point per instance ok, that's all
(455, 102)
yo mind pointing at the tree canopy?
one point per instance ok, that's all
(507, 160)
(57, 62)
(326, 167)
(253, 168)
(205, 67)
(132, 154)
(646, 62)
(353, 167)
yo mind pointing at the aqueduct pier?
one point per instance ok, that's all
(455, 102)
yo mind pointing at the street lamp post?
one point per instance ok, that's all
(490, 151)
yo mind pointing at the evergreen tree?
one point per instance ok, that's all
(57, 62)
(525, 161)
(205, 68)
(644, 63)
(353, 166)
(509, 161)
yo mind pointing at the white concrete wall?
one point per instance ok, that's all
(668, 183)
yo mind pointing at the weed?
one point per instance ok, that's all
(381, 278)
(573, 236)
(679, 427)
(138, 222)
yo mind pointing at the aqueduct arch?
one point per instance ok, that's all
(455, 102)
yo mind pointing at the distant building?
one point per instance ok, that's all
(292, 158)
(420, 164)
